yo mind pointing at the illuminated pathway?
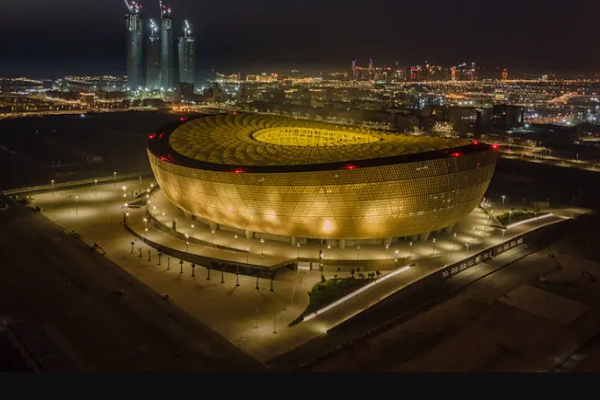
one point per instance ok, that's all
(245, 316)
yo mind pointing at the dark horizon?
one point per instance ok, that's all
(88, 37)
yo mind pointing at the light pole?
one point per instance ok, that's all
(76, 205)
(358, 253)
(298, 245)
(410, 250)
(125, 191)
(262, 250)
(96, 187)
(509, 216)
(193, 226)
(235, 237)
(503, 232)
(433, 247)
(115, 178)
(387, 247)
(467, 254)
(52, 182)
(503, 198)
(213, 236)
(187, 243)
(454, 246)
(140, 184)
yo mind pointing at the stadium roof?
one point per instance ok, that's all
(262, 140)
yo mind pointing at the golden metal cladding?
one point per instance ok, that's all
(363, 203)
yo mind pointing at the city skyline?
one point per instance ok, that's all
(240, 36)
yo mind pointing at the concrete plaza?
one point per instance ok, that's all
(254, 320)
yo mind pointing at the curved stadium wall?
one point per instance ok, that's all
(333, 196)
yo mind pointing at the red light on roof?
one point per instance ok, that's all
(475, 142)
(182, 119)
(239, 171)
(455, 155)
(350, 167)
(494, 146)
(235, 113)
(164, 159)
(152, 136)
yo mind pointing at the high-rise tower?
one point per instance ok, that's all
(167, 77)
(187, 55)
(153, 63)
(134, 45)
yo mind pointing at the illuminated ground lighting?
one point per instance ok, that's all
(316, 180)
(362, 289)
(530, 220)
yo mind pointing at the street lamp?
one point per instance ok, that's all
(213, 236)
(387, 247)
(124, 191)
(193, 226)
(433, 247)
(115, 178)
(503, 232)
(52, 182)
(410, 250)
(503, 198)
(509, 216)
(298, 245)
(235, 237)
(76, 205)
(96, 187)
(467, 244)
(262, 250)
(358, 253)
(454, 247)
(187, 243)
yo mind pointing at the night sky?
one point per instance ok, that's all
(48, 38)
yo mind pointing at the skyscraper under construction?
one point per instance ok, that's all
(187, 55)
(134, 45)
(153, 81)
(167, 69)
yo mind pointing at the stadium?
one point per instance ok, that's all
(293, 178)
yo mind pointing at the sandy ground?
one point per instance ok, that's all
(478, 330)
(102, 318)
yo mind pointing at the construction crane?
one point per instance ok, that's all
(133, 7)
(153, 27)
(164, 9)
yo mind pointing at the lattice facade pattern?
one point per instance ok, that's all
(269, 140)
(364, 203)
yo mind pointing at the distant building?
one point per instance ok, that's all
(505, 116)
(167, 70)
(153, 63)
(134, 46)
(187, 56)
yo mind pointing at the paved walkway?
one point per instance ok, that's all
(244, 315)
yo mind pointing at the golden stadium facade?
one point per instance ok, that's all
(297, 178)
